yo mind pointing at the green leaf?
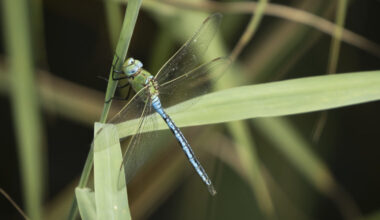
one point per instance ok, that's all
(86, 203)
(110, 188)
(272, 99)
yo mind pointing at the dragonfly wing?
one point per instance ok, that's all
(194, 83)
(134, 155)
(189, 56)
(132, 109)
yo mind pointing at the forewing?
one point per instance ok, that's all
(189, 56)
(194, 83)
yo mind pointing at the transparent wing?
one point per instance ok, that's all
(192, 84)
(139, 107)
(135, 155)
(132, 109)
(189, 56)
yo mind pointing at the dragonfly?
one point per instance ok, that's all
(182, 77)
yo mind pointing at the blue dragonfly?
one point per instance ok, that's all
(182, 77)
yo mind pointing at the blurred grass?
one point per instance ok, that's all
(14, 204)
(276, 10)
(63, 98)
(268, 126)
(246, 147)
(338, 32)
(114, 18)
(23, 93)
(333, 60)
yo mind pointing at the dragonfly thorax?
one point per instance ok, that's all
(139, 78)
(132, 67)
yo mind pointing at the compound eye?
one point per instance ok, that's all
(139, 64)
(133, 70)
(130, 61)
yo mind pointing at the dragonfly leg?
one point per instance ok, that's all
(121, 98)
(113, 77)
(119, 77)
(114, 70)
(116, 98)
(102, 77)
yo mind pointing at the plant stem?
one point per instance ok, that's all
(130, 18)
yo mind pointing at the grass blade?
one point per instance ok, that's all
(25, 103)
(274, 99)
(111, 200)
(130, 18)
(86, 203)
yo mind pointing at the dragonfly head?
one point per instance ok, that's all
(132, 66)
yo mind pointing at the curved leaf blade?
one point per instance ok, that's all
(273, 99)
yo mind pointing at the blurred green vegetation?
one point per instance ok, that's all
(314, 165)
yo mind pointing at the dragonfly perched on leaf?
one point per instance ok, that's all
(182, 77)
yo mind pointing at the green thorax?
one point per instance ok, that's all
(138, 77)
(142, 79)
